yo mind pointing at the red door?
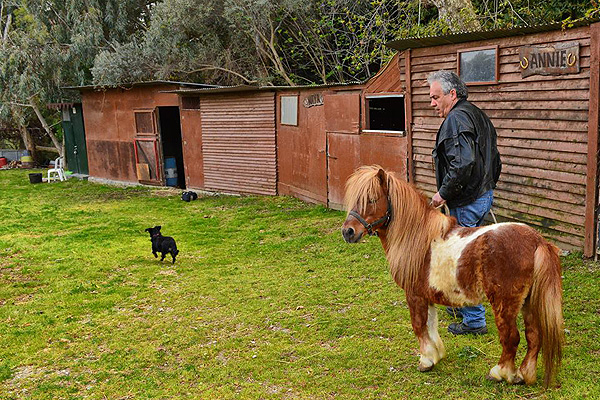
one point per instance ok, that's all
(148, 157)
(342, 116)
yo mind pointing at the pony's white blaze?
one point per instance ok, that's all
(444, 264)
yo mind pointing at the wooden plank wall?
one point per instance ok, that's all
(542, 125)
(390, 79)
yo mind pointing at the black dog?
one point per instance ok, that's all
(162, 244)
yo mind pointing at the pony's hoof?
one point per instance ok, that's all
(493, 379)
(423, 368)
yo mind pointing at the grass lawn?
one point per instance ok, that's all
(265, 301)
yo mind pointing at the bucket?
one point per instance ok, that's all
(171, 171)
(3, 161)
(35, 178)
(26, 161)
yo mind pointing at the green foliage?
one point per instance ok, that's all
(109, 42)
(51, 44)
(513, 13)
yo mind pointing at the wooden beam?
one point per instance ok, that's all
(591, 197)
(47, 148)
(410, 173)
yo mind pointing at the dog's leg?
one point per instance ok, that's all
(163, 256)
(155, 255)
(173, 255)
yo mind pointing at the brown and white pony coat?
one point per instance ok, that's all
(437, 261)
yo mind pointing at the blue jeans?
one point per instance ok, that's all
(472, 215)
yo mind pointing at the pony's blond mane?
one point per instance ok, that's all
(414, 225)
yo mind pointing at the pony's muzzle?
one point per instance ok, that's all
(350, 235)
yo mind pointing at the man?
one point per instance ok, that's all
(467, 167)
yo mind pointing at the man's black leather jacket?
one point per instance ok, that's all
(467, 162)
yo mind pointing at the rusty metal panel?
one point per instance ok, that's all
(191, 136)
(343, 158)
(542, 125)
(110, 126)
(342, 112)
(348, 152)
(301, 150)
(105, 160)
(385, 150)
(238, 143)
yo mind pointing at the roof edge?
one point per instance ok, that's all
(416, 42)
(142, 83)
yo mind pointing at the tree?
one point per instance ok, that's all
(52, 43)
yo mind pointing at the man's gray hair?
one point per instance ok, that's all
(449, 80)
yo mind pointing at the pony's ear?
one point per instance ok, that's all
(382, 179)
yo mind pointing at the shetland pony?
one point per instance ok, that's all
(437, 261)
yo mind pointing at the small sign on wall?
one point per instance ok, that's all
(558, 59)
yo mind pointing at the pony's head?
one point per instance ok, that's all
(367, 203)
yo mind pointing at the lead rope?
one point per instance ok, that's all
(493, 216)
(447, 211)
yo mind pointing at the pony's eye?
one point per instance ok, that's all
(373, 201)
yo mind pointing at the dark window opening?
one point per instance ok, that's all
(170, 134)
(386, 114)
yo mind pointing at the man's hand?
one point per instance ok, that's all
(437, 200)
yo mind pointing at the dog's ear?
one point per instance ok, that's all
(157, 227)
(147, 229)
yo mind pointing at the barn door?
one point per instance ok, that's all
(342, 124)
(343, 157)
(148, 157)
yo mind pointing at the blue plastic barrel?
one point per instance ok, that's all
(171, 171)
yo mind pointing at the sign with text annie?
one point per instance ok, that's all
(558, 59)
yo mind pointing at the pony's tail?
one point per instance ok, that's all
(546, 300)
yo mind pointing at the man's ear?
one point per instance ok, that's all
(453, 94)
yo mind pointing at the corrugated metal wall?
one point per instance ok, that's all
(542, 125)
(238, 143)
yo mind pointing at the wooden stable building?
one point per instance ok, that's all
(130, 130)
(539, 85)
(297, 141)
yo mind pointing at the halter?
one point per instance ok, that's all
(384, 221)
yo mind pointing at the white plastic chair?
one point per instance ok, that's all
(58, 172)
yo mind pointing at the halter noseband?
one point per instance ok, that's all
(384, 221)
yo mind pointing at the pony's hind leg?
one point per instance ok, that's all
(423, 317)
(532, 334)
(506, 321)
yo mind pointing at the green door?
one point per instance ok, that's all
(75, 148)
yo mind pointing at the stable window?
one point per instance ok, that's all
(385, 113)
(479, 65)
(289, 110)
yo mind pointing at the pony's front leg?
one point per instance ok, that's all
(423, 317)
